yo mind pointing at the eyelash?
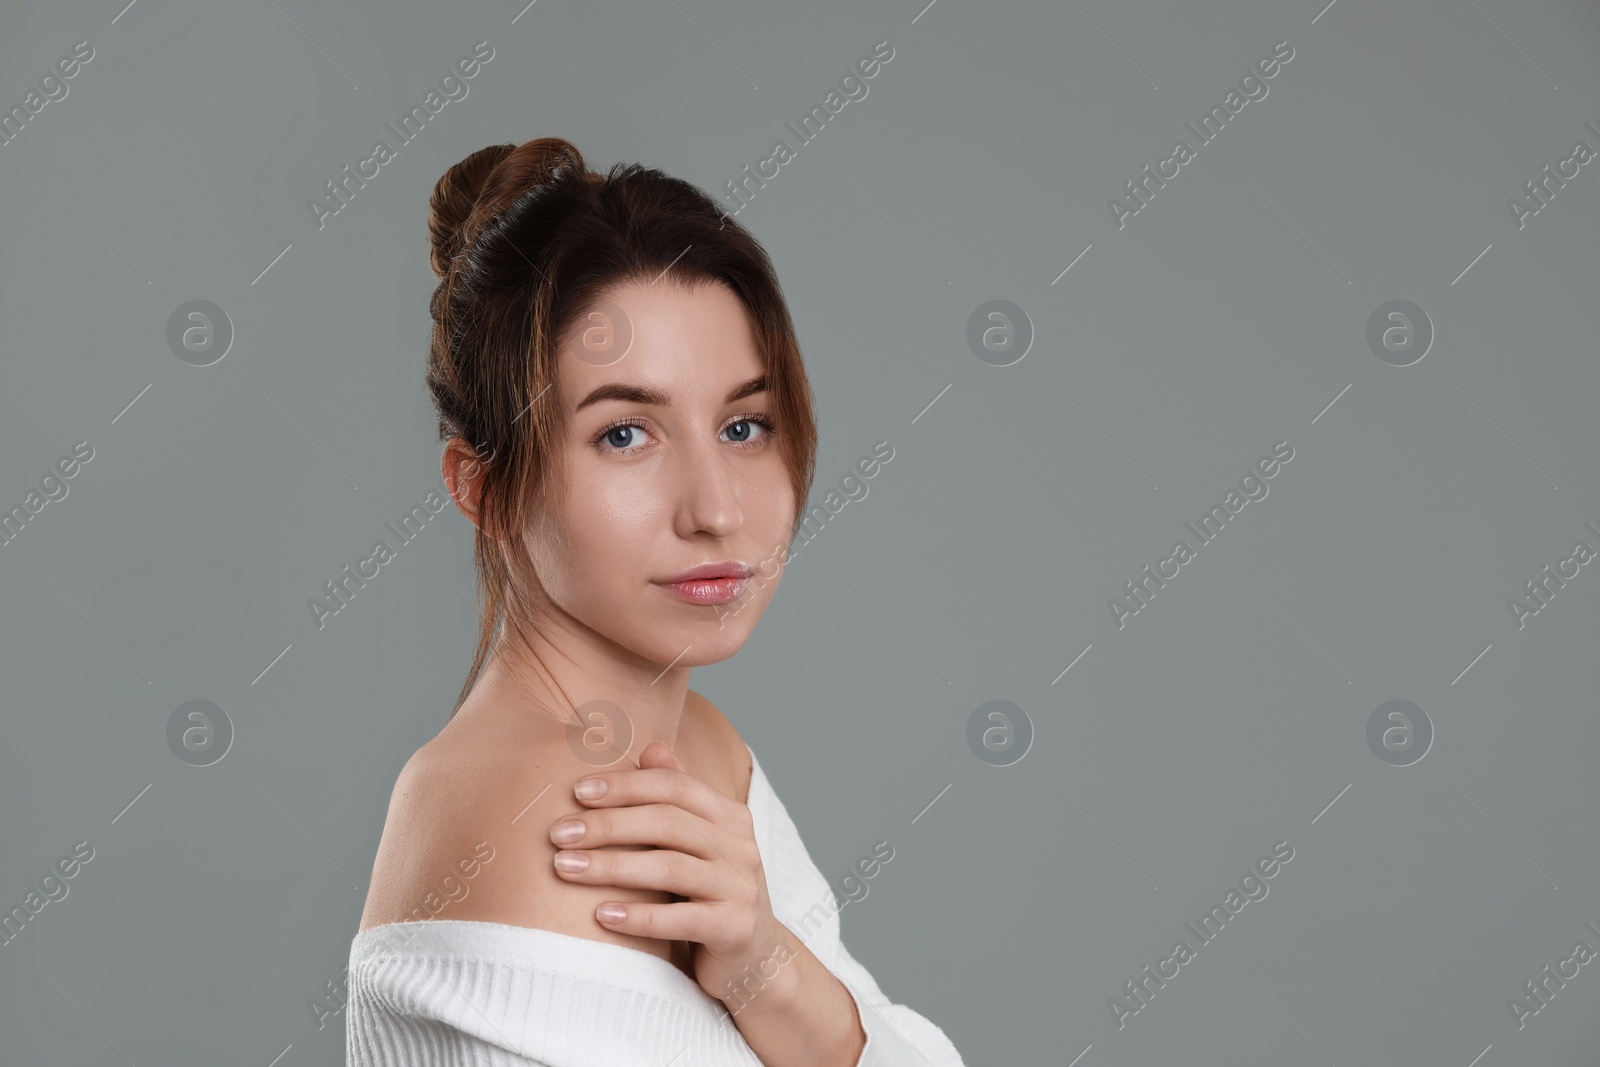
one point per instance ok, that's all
(760, 420)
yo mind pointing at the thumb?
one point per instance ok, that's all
(659, 754)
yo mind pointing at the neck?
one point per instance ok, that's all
(550, 676)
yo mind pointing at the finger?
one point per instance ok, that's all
(652, 785)
(660, 869)
(660, 754)
(679, 921)
(655, 825)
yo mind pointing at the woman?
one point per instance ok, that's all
(629, 427)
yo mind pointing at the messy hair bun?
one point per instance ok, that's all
(525, 240)
(481, 183)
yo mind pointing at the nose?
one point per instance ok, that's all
(710, 485)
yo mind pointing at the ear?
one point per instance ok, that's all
(462, 467)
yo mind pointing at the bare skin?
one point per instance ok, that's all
(468, 784)
(657, 485)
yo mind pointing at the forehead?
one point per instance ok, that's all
(676, 338)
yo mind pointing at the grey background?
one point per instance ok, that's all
(1224, 318)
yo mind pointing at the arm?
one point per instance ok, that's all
(799, 1016)
(808, 1015)
(790, 1008)
(896, 1035)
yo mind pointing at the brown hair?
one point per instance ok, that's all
(526, 238)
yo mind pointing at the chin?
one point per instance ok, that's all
(709, 643)
(690, 644)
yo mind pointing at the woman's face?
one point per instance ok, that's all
(670, 465)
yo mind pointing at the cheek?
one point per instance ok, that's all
(769, 494)
(611, 526)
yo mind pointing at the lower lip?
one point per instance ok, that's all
(708, 590)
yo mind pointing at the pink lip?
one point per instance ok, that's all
(710, 583)
(730, 569)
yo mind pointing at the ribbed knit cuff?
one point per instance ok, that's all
(886, 1046)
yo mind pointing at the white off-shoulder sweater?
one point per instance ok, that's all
(479, 994)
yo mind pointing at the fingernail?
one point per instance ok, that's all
(572, 862)
(590, 788)
(565, 833)
(611, 913)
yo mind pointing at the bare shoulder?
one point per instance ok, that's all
(732, 769)
(467, 837)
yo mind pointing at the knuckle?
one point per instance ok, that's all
(673, 866)
(682, 869)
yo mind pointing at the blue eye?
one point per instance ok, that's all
(616, 434)
(622, 436)
(741, 430)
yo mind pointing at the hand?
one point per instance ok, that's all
(705, 851)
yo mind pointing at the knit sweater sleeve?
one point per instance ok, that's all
(384, 1034)
(896, 1035)
(461, 993)
(458, 1011)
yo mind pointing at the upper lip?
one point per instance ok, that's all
(730, 569)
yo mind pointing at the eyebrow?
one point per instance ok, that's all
(640, 394)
